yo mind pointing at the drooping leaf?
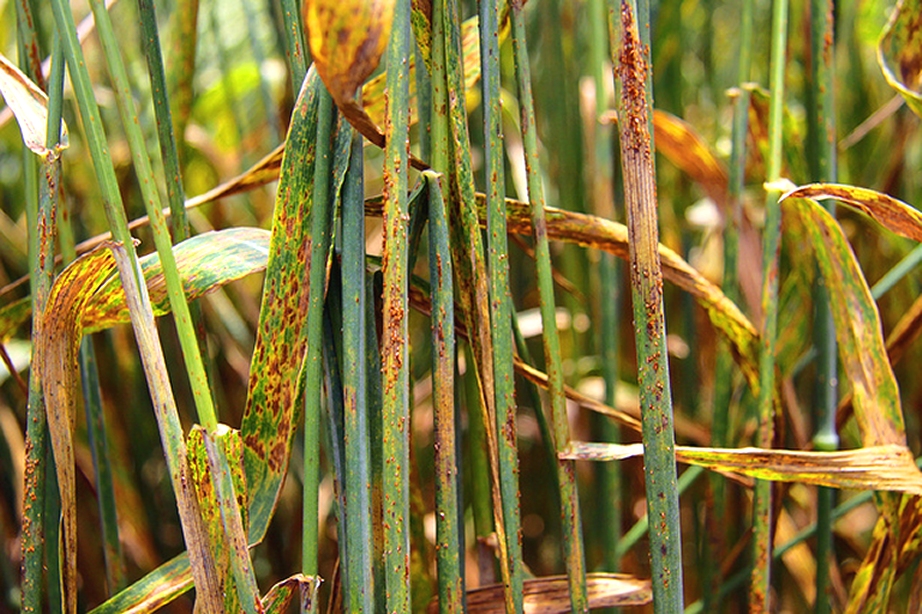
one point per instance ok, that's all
(895, 215)
(279, 596)
(206, 262)
(875, 397)
(684, 147)
(900, 52)
(153, 591)
(30, 106)
(858, 330)
(58, 342)
(884, 467)
(347, 39)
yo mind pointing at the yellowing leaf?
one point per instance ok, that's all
(900, 51)
(206, 262)
(885, 467)
(30, 106)
(347, 39)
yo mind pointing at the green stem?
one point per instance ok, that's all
(822, 159)
(295, 49)
(566, 469)
(723, 381)
(318, 255)
(609, 502)
(634, 67)
(41, 202)
(167, 138)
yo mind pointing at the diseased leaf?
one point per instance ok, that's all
(895, 215)
(279, 596)
(272, 409)
(225, 538)
(347, 39)
(900, 52)
(30, 106)
(885, 467)
(206, 262)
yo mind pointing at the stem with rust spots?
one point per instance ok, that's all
(649, 322)
(395, 356)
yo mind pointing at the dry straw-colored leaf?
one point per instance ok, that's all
(884, 467)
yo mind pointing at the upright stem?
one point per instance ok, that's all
(634, 68)
(358, 572)
(313, 387)
(41, 201)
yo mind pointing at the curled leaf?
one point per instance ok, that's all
(893, 214)
(30, 106)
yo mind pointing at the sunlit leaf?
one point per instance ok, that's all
(550, 595)
(205, 262)
(30, 106)
(895, 215)
(900, 52)
(885, 467)
(347, 39)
